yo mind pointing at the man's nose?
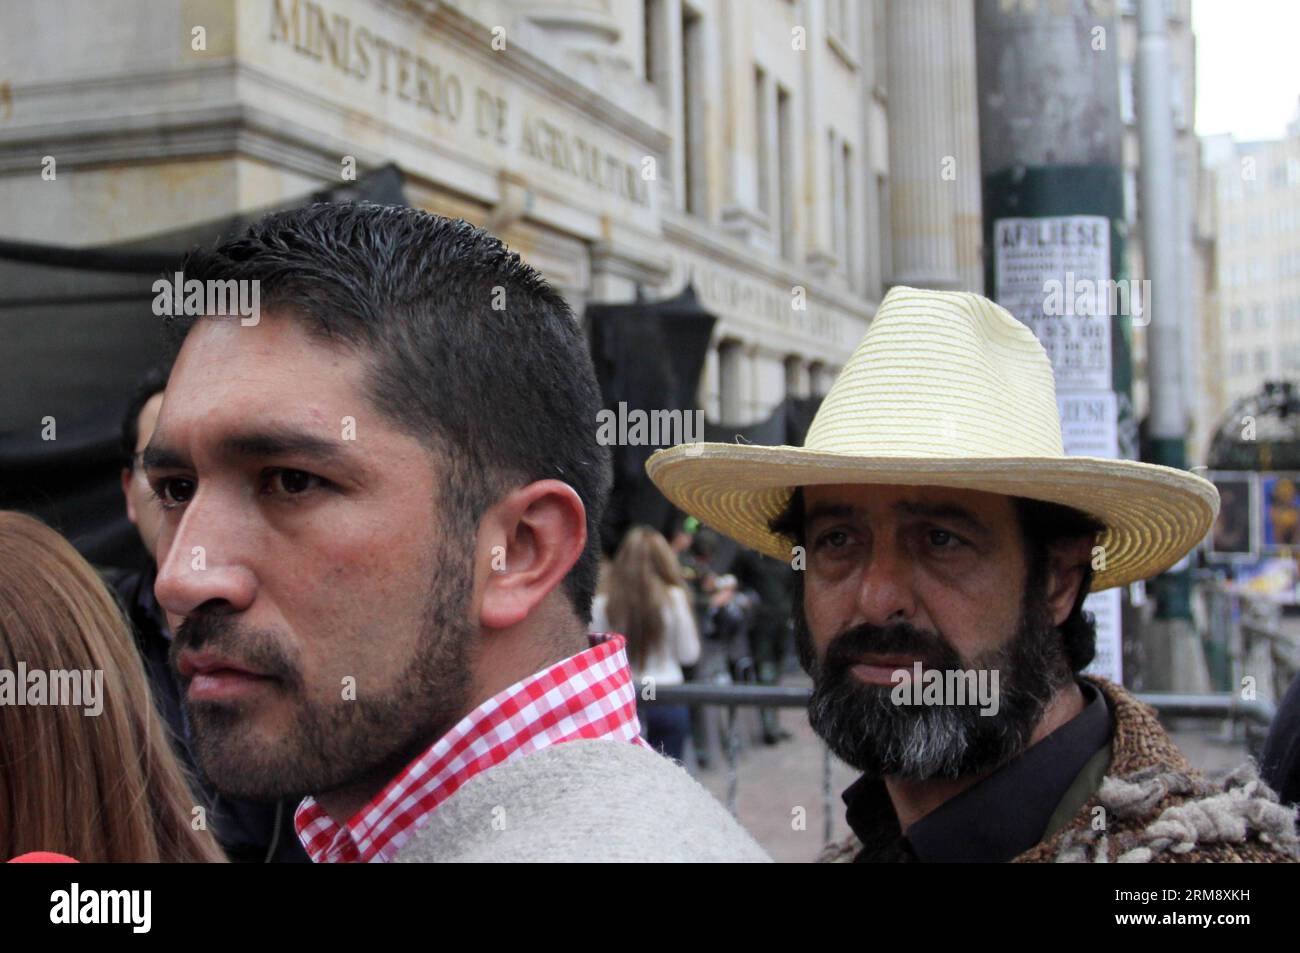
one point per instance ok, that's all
(885, 593)
(205, 562)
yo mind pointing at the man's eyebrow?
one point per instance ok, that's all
(159, 456)
(828, 511)
(254, 445)
(281, 443)
(941, 511)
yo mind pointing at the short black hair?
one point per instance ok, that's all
(468, 349)
(1041, 525)
(153, 381)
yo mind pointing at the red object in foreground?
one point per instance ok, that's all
(43, 857)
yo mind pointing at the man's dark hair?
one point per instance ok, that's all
(152, 382)
(468, 349)
(1041, 525)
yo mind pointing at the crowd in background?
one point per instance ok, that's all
(692, 612)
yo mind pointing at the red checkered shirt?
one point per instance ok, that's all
(588, 695)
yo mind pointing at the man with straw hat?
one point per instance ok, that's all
(943, 545)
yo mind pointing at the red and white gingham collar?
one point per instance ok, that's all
(588, 695)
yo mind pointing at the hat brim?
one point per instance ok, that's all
(1153, 515)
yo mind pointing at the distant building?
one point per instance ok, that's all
(1195, 214)
(1257, 186)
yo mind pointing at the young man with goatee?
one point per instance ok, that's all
(382, 497)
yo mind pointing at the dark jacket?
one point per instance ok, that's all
(248, 831)
(1156, 808)
(1280, 766)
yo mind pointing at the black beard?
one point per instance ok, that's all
(866, 729)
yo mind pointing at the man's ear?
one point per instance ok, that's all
(527, 543)
(1067, 561)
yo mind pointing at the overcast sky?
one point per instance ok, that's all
(1248, 66)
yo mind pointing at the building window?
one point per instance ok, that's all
(849, 248)
(836, 193)
(794, 384)
(1127, 111)
(784, 212)
(883, 226)
(693, 110)
(762, 122)
(879, 46)
(654, 39)
(817, 379)
(731, 383)
(835, 14)
(840, 29)
(1179, 101)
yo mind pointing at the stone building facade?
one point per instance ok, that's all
(789, 158)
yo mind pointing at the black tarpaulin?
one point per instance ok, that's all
(649, 357)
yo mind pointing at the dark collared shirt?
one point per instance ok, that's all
(1003, 815)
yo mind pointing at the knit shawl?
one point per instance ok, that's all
(1154, 807)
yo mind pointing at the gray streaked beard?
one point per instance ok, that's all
(867, 730)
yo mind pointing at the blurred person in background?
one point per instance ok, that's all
(694, 570)
(768, 581)
(137, 427)
(247, 830)
(1280, 764)
(103, 786)
(647, 603)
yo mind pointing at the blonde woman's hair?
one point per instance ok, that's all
(640, 578)
(99, 788)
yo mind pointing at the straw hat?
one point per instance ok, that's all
(946, 389)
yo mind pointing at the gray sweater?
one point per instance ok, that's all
(598, 801)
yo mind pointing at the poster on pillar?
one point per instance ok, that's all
(1105, 609)
(1089, 422)
(1053, 273)
(1090, 428)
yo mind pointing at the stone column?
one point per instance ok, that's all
(968, 225)
(739, 185)
(815, 173)
(922, 144)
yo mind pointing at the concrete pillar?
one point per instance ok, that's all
(968, 224)
(922, 143)
(815, 174)
(740, 145)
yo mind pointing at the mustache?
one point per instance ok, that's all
(902, 638)
(259, 649)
